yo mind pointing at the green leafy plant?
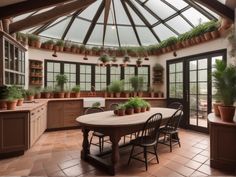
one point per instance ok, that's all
(13, 93)
(49, 42)
(116, 86)
(60, 43)
(137, 83)
(47, 89)
(29, 92)
(104, 58)
(96, 105)
(121, 107)
(135, 102)
(32, 37)
(225, 82)
(76, 89)
(61, 80)
(76, 46)
(171, 41)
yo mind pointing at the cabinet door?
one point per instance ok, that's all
(14, 128)
(55, 115)
(33, 130)
(72, 110)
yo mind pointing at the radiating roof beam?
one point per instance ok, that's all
(106, 15)
(117, 32)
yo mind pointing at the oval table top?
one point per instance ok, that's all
(108, 119)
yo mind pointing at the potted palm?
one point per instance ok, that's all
(76, 90)
(61, 81)
(225, 84)
(117, 87)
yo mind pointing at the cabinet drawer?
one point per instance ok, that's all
(72, 105)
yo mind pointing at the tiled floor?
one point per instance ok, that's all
(58, 154)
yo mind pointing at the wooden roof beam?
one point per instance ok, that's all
(49, 15)
(27, 6)
(106, 15)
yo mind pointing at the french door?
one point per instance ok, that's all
(192, 85)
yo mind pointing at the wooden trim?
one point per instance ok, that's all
(106, 15)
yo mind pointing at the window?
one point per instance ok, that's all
(53, 69)
(85, 77)
(129, 71)
(70, 72)
(100, 78)
(144, 72)
(114, 73)
(176, 80)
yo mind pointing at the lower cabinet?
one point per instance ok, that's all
(38, 123)
(14, 131)
(62, 114)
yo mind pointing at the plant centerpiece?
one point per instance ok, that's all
(61, 81)
(29, 94)
(11, 97)
(46, 92)
(136, 104)
(104, 59)
(76, 90)
(117, 87)
(120, 110)
(49, 44)
(129, 109)
(59, 46)
(225, 84)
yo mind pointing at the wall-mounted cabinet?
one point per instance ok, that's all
(35, 73)
(12, 65)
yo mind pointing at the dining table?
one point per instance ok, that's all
(114, 127)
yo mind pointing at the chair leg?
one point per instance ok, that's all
(145, 156)
(170, 136)
(90, 142)
(177, 135)
(164, 139)
(100, 145)
(155, 150)
(131, 153)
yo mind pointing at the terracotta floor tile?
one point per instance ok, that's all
(69, 163)
(193, 164)
(198, 174)
(205, 153)
(200, 158)
(185, 171)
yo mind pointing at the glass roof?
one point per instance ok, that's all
(129, 23)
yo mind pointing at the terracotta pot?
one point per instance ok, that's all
(37, 96)
(216, 109)
(56, 48)
(227, 113)
(164, 50)
(126, 95)
(168, 48)
(148, 109)
(140, 94)
(135, 94)
(46, 95)
(73, 50)
(20, 102)
(121, 112)
(30, 98)
(37, 44)
(117, 95)
(111, 95)
(152, 94)
(202, 38)
(178, 45)
(215, 34)
(11, 105)
(67, 49)
(197, 39)
(61, 94)
(137, 110)
(207, 36)
(143, 109)
(116, 112)
(50, 46)
(226, 23)
(67, 95)
(77, 94)
(192, 41)
(187, 43)
(3, 104)
(78, 50)
(129, 111)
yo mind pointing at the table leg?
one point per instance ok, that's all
(115, 149)
(86, 149)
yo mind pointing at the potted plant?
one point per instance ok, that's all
(74, 48)
(34, 41)
(225, 84)
(46, 92)
(82, 49)
(76, 90)
(29, 94)
(148, 106)
(11, 98)
(126, 59)
(104, 59)
(110, 91)
(59, 46)
(213, 29)
(126, 93)
(135, 84)
(139, 62)
(216, 104)
(129, 110)
(48, 44)
(61, 81)
(121, 110)
(19, 96)
(22, 38)
(140, 86)
(170, 43)
(136, 104)
(185, 39)
(117, 87)
(151, 92)
(67, 46)
(143, 105)
(37, 94)
(95, 51)
(67, 92)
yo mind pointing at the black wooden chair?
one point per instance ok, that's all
(148, 138)
(170, 130)
(100, 136)
(175, 105)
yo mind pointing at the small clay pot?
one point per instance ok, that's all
(140, 94)
(11, 105)
(37, 96)
(129, 111)
(117, 95)
(215, 34)
(46, 95)
(126, 95)
(67, 95)
(207, 36)
(30, 98)
(20, 102)
(61, 94)
(111, 95)
(152, 94)
(121, 112)
(77, 94)
(143, 109)
(137, 110)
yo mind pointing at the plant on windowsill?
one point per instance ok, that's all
(11, 98)
(76, 90)
(116, 87)
(59, 46)
(74, 48)
(48, 44)
(29, 94)
(127, 93)
(67, 46)
(225, 84)
(140, 86)
(61, 81)
(46, 92)
(151, 91)
(67, 92)
(37, 92)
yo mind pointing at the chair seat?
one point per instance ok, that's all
(143, 141)
(101, 135)
(170, 130)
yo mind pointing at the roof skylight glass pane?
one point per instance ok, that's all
(127, 36)
(146, 37)
(90, 11)
(195, 16)
(135, 18)
(121, 16)
(175, 23)
(163, 32)
(179, 4)
(96, 36)
(111, 37)
(78, 30)
(160, 8)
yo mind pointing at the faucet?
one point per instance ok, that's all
(93, 91)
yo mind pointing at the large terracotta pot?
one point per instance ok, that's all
(11, 105)
(207, 36)
(37, 96)
(129, 111)
(216, 109)
(227, 113)
(143, 109)
(20, 102)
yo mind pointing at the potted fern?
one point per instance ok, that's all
(225, 84)
(61, 81)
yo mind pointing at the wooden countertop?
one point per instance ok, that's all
(217, 120)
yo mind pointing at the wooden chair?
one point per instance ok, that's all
(100, 136)
(171, 129)
(175, 105)
(148, 138)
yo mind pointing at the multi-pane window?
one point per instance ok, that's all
(129, 72)
(70, 72)
(53, 69)
(85, 77)
(144, 72)
(176, 80)
(114, 73)
(100, 78)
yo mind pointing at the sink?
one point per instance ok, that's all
(88, 102)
